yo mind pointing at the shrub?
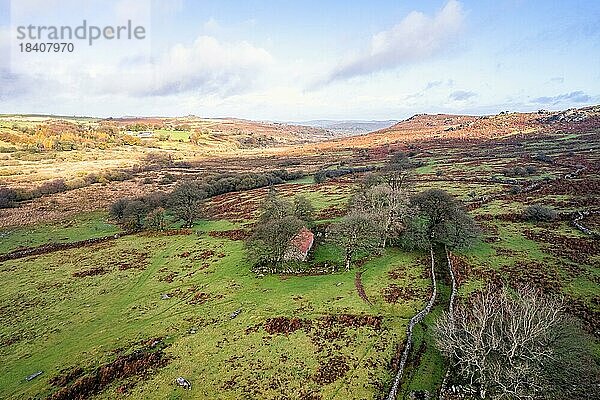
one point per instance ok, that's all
(539, 213)
(520, 171)
(543, 158)
(515, 189)
(51, 187)
(158, 159)
(8, 197)
(76, 183)
(133, 215)
(167, 178)
(91, 178)
(320, 177)
(117, 208)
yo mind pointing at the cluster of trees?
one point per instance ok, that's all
(62, 135)
(403, 161)
(324, 174)
(518, 345)
(9, 197)
(212, 185)
(186, 201)
(279, 221)
(383, 213)
(217, 184)
(140, 212)
(438, 217)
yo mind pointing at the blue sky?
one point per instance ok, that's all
(284, 60)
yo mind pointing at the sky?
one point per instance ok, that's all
(304, 60)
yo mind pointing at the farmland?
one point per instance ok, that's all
(124, 315)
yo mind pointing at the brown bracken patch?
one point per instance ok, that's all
(285, 325)
(90, 272)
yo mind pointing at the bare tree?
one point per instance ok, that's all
(354, 233)
(383, 196)
(516, 346)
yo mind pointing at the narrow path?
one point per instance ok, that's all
(409, 331)
(360, 288)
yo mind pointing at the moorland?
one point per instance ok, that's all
(111, 287)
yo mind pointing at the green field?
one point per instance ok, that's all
(59, 321)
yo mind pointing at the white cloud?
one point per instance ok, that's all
(212, 25)
(461, 95)
(565, 98)
(415, 38)
(205, 67)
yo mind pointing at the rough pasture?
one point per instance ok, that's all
(235, 335)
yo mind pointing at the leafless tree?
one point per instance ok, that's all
(388, 203)
(516, 345)
(354, 233)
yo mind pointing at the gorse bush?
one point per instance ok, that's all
(539, 213)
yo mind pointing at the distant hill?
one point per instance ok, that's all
(47, 131)
(446, 126)
(349, 127)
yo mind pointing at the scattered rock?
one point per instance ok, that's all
(33, 376)
(184, 383)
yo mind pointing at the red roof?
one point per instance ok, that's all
(303, 241)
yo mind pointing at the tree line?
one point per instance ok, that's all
(185, 202)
